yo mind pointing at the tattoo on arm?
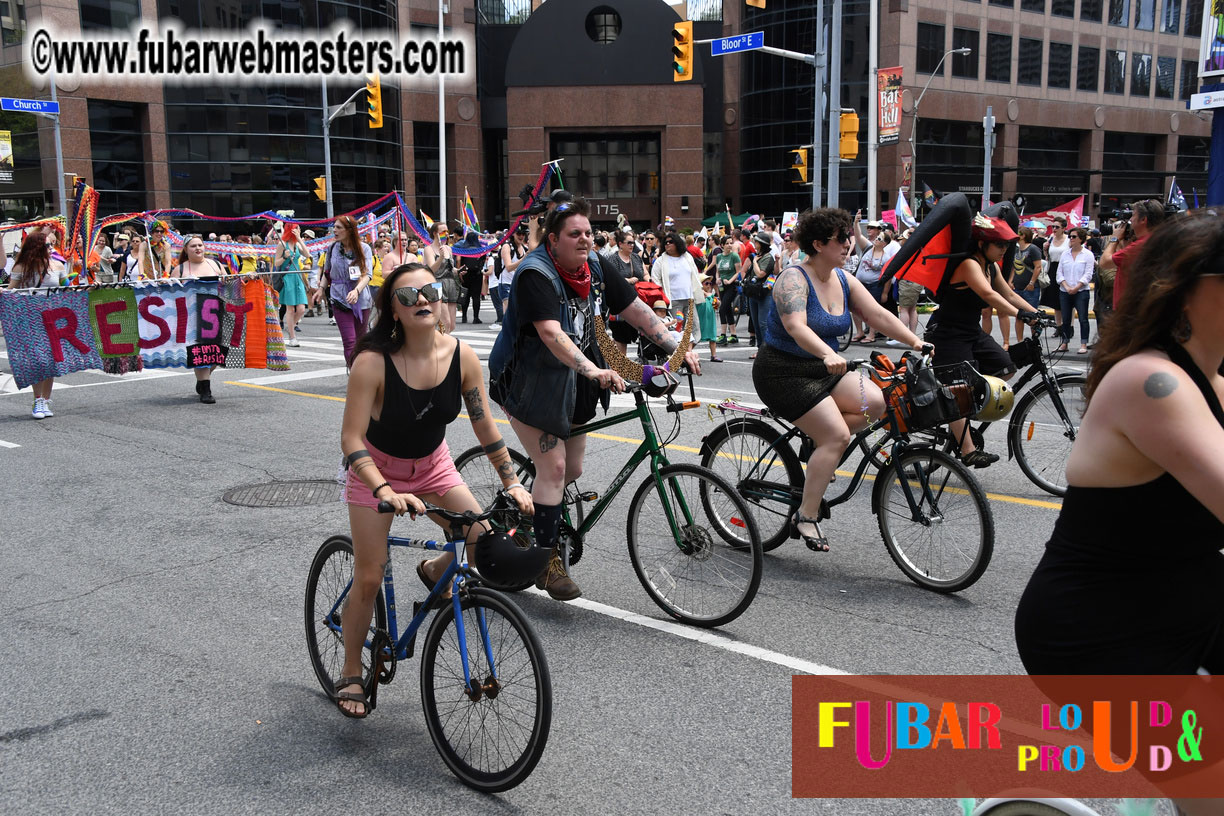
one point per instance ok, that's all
(475, 406)
(495, 447)
(1160, 385)
(581, 364)
(791, 293)
(506, 470)
(547, 442)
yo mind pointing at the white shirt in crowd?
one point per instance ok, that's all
(1075, 269)
(679, 280)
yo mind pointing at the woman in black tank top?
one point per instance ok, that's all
(1132, 578)
(404, 389)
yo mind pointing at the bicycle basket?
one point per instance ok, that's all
(942, 395)
(1022, 354)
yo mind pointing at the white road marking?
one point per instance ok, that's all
(703, 636)
(147, 374)
(296, 376)
(4, 444)
(311, 356)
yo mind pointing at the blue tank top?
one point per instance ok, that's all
(828, 327)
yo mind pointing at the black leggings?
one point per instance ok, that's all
(472, 281)
(726, 307)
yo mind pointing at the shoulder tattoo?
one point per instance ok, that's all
(1160, 385)
(791, 293)
(471, 398)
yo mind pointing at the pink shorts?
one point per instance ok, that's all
(434, 473)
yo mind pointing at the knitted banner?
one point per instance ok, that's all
(56, 332)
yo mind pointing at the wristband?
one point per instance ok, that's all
(374, 492)
(515, 484)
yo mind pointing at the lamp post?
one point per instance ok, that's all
(914, 125)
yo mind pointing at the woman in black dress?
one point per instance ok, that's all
(1132, 577)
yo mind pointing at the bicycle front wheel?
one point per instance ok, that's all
(691, 564)
(482, 479)
(934, 519)
(327, 587)
(490, 732)
(1041, 438)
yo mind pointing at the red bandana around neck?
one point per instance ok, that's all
(579, 280)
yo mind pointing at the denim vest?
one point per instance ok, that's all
(525, 377)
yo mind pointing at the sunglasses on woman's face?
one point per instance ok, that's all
(408, 295)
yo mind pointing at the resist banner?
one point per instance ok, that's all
(888, 86)
(156, 324)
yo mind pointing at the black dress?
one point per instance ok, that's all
(1131, 581)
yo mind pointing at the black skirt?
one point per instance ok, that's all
(790, 386)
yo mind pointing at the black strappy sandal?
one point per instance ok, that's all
(352, 697)
(816, 543)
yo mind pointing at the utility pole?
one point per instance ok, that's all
(441, 126)
(818, 60)
(988, 143)
(835, 33)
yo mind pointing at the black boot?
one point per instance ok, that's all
(204, 389)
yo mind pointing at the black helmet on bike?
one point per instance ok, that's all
(506, 562)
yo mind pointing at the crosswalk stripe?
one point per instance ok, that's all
(317, 374)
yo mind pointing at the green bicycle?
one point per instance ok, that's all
(693, 542)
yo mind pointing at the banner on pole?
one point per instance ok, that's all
(888, 86)
(6, 157)
(127, 328)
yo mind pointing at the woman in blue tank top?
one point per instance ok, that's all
(798, 364)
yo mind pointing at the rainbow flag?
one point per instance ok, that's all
(425, 219)
(469, 212)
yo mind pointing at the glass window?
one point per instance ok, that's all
(1141, 74)
(930, 48)
(1045, 148)
(119, 14)
(1060, 65)
(116, 140)
(13, 21)
(1145, 15)
(998, 57)
(1166, 77)
(1028, 71)
(1087, 69)
(1170, 19)
(1194, 19)
(965, 65)
(1008, 3)
(1189, 81)
(1119, 13)
(1033, 5)
(1115, 71)
(1090, 10)
(1062, 8)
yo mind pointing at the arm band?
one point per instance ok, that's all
(357, 455)
(494, 447)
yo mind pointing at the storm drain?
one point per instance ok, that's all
(284, 494)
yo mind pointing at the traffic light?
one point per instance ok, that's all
(757, 3)
(374, 92)
(799, 165)
(848, 129)
(320, 190)
(682, 51)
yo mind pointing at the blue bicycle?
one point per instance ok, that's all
(485, 686)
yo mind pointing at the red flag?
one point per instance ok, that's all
(925, 269)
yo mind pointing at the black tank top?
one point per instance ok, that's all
(398, 432)
(960, 307)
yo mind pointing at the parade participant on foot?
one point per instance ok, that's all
(193, 263)
(291, 256)
(546, 369)
(346, 269)
(956, 327)
(155, 259)
(403, 392)
(35, 269)
(441, 261)
(798, 365)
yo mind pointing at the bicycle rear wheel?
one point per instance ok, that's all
(490, 734)
(703, 571)
(949, 545)
(1040, 438)
(327, 585)
(747, 453)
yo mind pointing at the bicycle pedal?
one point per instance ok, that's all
(588, 496)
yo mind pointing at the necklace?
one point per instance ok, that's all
(437, 367)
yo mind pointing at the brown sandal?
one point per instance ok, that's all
(352, 697)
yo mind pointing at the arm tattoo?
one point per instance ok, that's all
(791, 293)
(506, 470)
(495, 447)
(547, 442)
(1160, 385)
(581, 364)
(475, 406)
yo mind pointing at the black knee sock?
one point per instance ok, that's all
(546, 521)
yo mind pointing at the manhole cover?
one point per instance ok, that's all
(284, 494)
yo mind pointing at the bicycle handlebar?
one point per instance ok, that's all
(466, 517)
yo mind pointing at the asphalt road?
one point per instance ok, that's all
(156, 661)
